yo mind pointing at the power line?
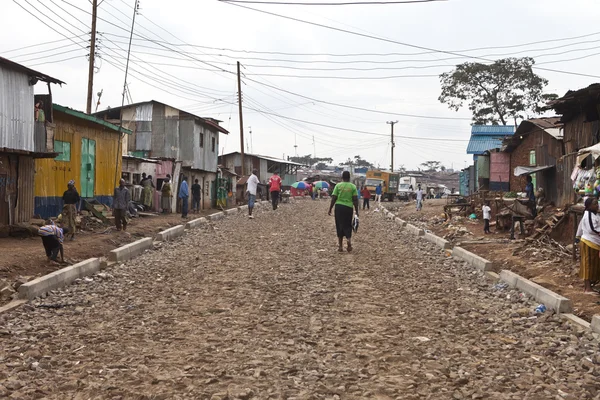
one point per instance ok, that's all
(395, 41)
(352, 3)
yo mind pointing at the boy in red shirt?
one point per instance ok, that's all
(275, 189)
(366, 195)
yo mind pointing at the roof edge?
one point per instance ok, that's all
(91, 118)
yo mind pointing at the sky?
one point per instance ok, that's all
(184, 54)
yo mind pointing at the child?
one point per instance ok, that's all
(487, 215)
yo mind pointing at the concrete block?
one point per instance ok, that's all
(509, 277)
(195, 223)
(473, 259)
(215, 216)
(578, 321)
(401, 222)
(414, 230)
(130, 250)
(494, 277)
(542, 295)
(231, 211)
(58, 279)
(171, 233)
(442, 243)
(243, 208)
(595, 325)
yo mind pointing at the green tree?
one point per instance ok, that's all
(496, 93)
(431, 166)
(309, 160)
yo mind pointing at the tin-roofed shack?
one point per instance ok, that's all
(26, 133)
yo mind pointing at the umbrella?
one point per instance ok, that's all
(321, 185)
(300, 185)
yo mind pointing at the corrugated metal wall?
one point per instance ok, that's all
(499, 171)
(51, 176)
(564, 167)
(16, 111)
(25, 197)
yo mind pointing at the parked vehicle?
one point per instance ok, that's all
(388, 181)
(406, 188)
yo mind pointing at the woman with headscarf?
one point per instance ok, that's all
(147, 192)
(70, 201)
(589, 235)
(166, 195)
(344, 198)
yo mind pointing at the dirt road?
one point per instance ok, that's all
(267, 309)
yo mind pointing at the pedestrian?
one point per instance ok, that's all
(487, 215)
(588, 234)
(366, 195)
(530, 191)
(196, 197)
(419, 194)
(71, 201)
(52, 239)
(378, 191)
(431, 193)
(344, 198)
(166, 199)
(251, 192)
(147, 192)
(121, 199)
(275, 189)
(184, 195)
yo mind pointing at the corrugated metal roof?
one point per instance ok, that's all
(274, 159)
(483, 143)
(90, 118)
(30, 72)
(504, 130)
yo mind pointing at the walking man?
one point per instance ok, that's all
(366, 195)
(184, 195)
(252, 187)
(121, 199)
(419, 194)
(52, 239)
(196, 197)
(71, 202)
(275, 189)
(487, 215)
(378, 191)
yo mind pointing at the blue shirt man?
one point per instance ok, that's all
(378, 189)
(184, 194)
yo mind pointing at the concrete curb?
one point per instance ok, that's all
(577, 321)
(243, 208)
(195, 223)
(215, 216)
(401, 222)
(231, 211)
(595, 325)
(552, 300)
(414, 230)
(478, 262)
(58, 279)
(171, 233)
(130, 250)
(442, 243)
(12, 305)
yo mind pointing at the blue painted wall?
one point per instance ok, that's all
(47, 207)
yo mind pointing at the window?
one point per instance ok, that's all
(213, 144)
(201, 139)
(63, 149)
(532, 157)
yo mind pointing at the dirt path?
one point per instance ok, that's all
(267, 309)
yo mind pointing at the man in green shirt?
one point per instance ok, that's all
(344, 198)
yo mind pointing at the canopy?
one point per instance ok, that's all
(583, 153)
(530, 170)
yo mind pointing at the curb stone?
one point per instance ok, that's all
(478, 262)
(171, 233)
(195, 223)
(58, 279)
(231, 211)
(215, 216)
(578, 321)
(401, 222)
(552, 300)
(595, 325)
(414, 230)
(12, 305)
(130, 250)
(443, 243)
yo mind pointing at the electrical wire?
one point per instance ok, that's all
(352, 3)
(41, 44)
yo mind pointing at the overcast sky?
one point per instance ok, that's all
(195, 86)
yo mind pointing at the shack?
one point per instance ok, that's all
(26, 134)
(87, 151)
(266, 166)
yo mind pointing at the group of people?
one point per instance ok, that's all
(166, 190)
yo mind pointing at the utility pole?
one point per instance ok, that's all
(239, 79)
(314, 148)
(392, 123)
(92, 58)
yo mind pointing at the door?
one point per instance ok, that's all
(4, 220)
(88, 167)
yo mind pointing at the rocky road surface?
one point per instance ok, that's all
(267, 309)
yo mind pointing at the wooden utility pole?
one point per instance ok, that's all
(92, 57)
(392, 123)
(239, 79)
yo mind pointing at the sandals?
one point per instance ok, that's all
(349, 249)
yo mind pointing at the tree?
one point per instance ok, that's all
(496, 93)
(431, 166)
(321, 166)
(309, 160)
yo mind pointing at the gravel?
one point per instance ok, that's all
(267, 308)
